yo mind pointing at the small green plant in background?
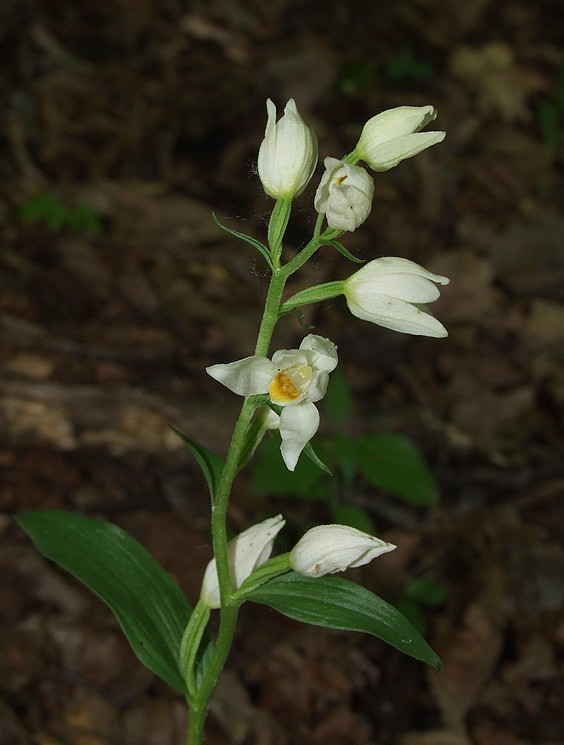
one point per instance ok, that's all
(420, 596)
(357, 76)
(49, 210)
(407, 68)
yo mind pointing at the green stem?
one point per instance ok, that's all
(199, 700)
(200, 703)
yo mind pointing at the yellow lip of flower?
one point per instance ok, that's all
(290, 385)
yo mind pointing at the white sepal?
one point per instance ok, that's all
(246, 377)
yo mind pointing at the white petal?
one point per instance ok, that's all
(322, 194)
(253, 547)
(386, 265)
(318, 386)
(409, 287)
(397, 315)
(270, 419)
(284, 358)
(298, 424)
(390, 153)
(247, 377)
(396, 122)
(321, 353)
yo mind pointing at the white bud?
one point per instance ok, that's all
(288, 154)
(246, 552)
(394, 135)
(327, 549)
(344, 195)
(388, 290)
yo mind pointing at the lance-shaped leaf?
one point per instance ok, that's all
(261, 248)
(150, 607)
(210, 463)
(394, 463)
(337, 603)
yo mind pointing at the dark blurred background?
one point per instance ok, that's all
(124, 124)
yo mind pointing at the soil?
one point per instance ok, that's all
(125, 124)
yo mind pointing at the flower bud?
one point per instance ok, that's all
(393, 136)
(344, 195)
(246, 552)
(327, 549)
(288, 154)
(386, 291)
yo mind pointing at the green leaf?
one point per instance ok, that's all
(338, 399)
(253, 437)
(394, 464)
(210, 463)
(151, 609)
(44, 207)
(261, 248)
(314, 294)
(343, 449)
(426, 591)
(337, 603)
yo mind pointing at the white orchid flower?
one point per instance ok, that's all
(246, 552)
(294, 379)
(394, 135)
(386, 291)
(288, 153)
(327, 549)
(344, 195)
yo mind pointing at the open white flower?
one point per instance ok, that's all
(394, 135)
(288, 153)
(327, 549)
(294, 379)
(344, 195)
(246, 552)
(386, 291)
